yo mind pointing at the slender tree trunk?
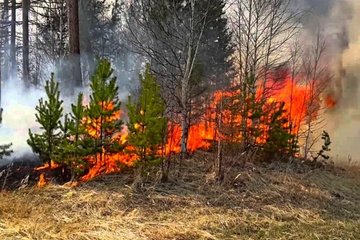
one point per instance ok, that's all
(5, 73)
(193, 47)
(185, 88)
(219, 159)
(26, 68)
(2, 40)
(184, 122)
(74, 44)
(13, 39)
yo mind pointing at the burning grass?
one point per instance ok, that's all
(275, 202)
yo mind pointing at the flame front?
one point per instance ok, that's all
(203, 133)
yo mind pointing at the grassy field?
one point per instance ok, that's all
(276, 202)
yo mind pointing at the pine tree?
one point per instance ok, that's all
(147, 123)
(245, 112)
(324, 148)
(279, 139)
(49, 114)
(52, 29)
(216, 48)
(75, 144)
(103, 113)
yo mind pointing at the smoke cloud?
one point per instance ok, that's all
(18, 115)
(338, 20)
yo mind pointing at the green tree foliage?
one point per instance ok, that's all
(86, 131)
(49, 114)
(76, 143)
(147, 123)
(98, 32)
(243, 107)
(279, 139)
(216, 48)
(103, 112)
(325, 147)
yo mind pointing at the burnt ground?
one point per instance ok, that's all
(18, 173)
(22, 174)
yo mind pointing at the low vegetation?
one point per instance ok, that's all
(280, 201)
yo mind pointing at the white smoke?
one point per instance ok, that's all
(346, 125)
(339, 19)
(18, 105)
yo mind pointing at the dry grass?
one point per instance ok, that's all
(255, 203)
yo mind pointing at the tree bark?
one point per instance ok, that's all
(89, 61)
(74, 44)
(219, 159)
(13, 39)
(5, 73)
(192, 51)
(26, 68)
(3, 27)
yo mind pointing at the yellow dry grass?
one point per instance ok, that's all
(255, 203)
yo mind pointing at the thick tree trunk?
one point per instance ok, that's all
(13, 39)
(85, 13)
(26, 68)
(74, 44)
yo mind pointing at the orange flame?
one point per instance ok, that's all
(42, 181)
(204, 132)
(330, 102)
(46, 166)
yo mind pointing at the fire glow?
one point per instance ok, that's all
(202, 134)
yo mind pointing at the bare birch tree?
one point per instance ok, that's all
(316, 77)
(168, 34)
(262, 31)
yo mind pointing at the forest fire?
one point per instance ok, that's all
(292, 96)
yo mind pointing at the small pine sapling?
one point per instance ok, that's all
(147, 123)
(279, 139)
(103, 113)
(49, 114)
(76, 144)
(325, 147)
